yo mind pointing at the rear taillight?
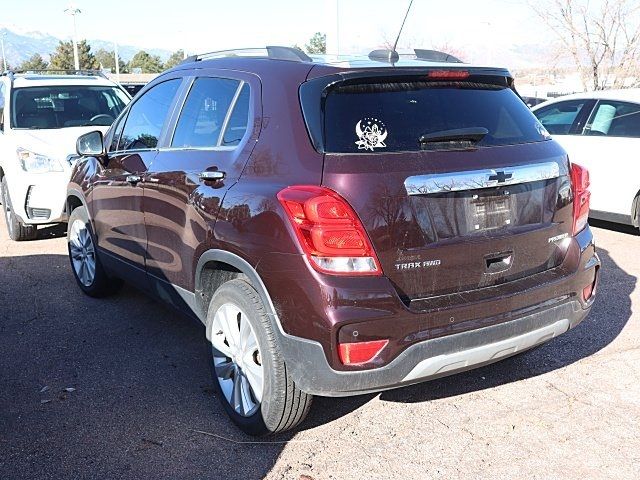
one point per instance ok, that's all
(360, 352)
(329, 231)
(581, 196)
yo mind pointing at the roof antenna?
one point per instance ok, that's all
(390, 56)
(402, 26)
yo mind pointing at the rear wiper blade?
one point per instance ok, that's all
(472, 134)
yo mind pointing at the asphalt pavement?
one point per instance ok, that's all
(121, 388)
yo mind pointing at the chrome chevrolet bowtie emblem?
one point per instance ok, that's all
(500, 177)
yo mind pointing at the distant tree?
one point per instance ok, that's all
(62, 58)
(601, 38)
(317, 43)
(175, 58)
(36, 62)
(146, 62)
(107, 59)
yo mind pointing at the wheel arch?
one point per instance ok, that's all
(74, 200)
(215, 267)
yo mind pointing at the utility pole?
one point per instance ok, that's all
(115, 53)
(73, 11)
(4, 58)
(332, 19)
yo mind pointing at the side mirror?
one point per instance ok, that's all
(91, 145)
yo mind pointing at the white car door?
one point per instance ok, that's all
(610, 142)
(565, 121)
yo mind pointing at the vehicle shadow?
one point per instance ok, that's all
(616, 227)
(143, 402)
(109, 388)
(52, 231)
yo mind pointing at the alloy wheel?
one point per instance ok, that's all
(82, 251)
(237, 360)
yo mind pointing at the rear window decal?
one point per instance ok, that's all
(371, 133)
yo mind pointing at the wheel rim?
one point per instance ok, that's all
(237, 360)
(6, 204)
(83, 255)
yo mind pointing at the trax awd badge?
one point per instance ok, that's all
(416, 265)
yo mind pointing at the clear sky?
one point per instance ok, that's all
(202, 25)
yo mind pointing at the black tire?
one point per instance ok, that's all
(99, 284)
(283, 404)
(18, 231)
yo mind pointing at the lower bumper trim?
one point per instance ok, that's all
(458, 361)
(434, 358)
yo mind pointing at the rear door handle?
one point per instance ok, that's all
(211, 175)
(134, 179)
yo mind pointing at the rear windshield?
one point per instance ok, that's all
(392, 117)
(66, 106)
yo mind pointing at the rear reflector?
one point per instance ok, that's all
(329, 231)
(590, 290)
(448, 74)
(581, 196)
(360, 352)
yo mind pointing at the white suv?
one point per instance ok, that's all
(41, 117)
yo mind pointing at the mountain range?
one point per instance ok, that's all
(20, 46)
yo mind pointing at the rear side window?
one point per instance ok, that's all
(560, 117)
(392, 117)
(238, 120)
(147, 117)
(614, 119)
(204, 113)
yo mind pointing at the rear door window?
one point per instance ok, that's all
(147, 117)
(378, 117)
(560, 117)
(204, 113)
(614, 119)
(237, 126)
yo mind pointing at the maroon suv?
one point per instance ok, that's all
(339, 228)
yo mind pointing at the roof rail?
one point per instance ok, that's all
(56, 71)
(273, 52)
(435, 56)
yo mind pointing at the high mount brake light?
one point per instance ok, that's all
(329, 231)
(581, 197)
(448, 74)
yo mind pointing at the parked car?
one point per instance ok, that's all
(601, 131)
(132, 88)
(338, 228)
(41, 116)
(533, 101)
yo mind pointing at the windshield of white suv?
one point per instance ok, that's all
(66, 106)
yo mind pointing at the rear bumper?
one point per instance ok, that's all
(431, 359)
(502, 324)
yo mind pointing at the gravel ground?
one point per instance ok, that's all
(120, 388)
